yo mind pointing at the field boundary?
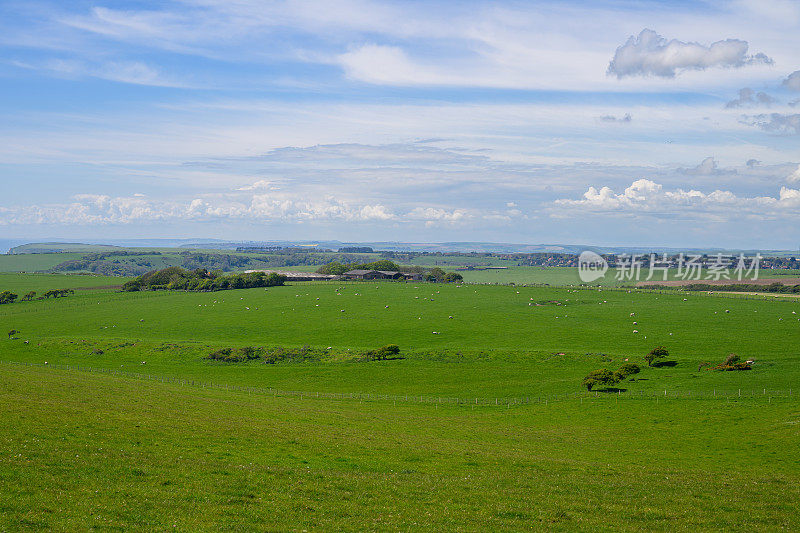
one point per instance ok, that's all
(666, 394)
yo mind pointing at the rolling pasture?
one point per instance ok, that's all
(91, 450)
(500, 340)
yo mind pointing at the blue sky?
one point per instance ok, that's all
(604, 123)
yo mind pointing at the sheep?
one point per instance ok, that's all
(144, 362)
(342, 310)
(451, 316)
(727, 311)
(636, 331)
(635, 323)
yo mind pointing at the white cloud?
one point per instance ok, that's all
(794, 176)
(132, 72)
(645, 196)
(651, 54)
(707, 167)
(779, 123)
(749, 98)
(626, 118)
(384, 64)
(793, 81)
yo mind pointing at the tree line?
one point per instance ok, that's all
(434, 274)
(200, 279)
(8, 297)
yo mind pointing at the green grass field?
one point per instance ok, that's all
(22, 283)
(34, 262)
(90, 450)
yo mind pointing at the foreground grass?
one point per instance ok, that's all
(82, 451)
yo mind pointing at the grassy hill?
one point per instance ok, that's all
(87, 451)
(675, 447)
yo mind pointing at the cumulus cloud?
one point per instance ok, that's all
(647, 196)
(783, 124)
(707, 167)
(794, 176)
(650, 54)
(792, 82)
(254, 204)
(749, 98)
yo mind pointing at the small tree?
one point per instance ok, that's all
(627, 369)
(12, 333)
(7, 297)
(436, 274)
(29, 295)
(656, 354)
(600, 377)
(384, 352)
(453, 277)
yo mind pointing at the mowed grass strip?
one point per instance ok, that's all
(92, 451)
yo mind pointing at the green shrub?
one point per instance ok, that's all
(600, 377)
(657, 353)
(628, 369)
(731, 359)
(389, 351)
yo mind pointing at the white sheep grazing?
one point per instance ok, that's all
(633, 314)
(635, 323)
(386, 307)
(144, 362)
(451, 316)
(636, 331)
(342, 310)
(727, 310)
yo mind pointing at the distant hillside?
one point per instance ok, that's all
(59, 247)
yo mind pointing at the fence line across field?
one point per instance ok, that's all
(721, 394)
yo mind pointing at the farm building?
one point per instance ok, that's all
(381, 274)
(297, 276)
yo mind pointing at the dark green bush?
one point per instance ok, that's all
(600, 377)
(657, 353)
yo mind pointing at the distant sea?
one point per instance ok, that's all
(7, 244)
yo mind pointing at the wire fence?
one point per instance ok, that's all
(496, 401)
